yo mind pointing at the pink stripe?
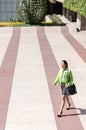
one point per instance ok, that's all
(76, 45)
(70, 120)
(6, 75)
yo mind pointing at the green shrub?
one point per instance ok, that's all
(78, 6)
(55, 19)
(31, 12)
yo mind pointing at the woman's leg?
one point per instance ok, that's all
(68, 102)
(62, 104)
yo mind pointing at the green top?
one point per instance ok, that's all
(64, 76)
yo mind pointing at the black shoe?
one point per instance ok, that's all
(59, 115)
(68, 108)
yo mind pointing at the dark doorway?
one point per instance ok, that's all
(55, 8)
(59, 8)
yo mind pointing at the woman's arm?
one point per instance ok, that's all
(56, 81)
(71, 79)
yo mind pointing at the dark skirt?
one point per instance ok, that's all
(65, 91)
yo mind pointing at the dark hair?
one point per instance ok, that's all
(65, 62)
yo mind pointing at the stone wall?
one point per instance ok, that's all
(81, 22)
(70, 15)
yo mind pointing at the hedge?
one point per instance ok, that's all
(78, 6)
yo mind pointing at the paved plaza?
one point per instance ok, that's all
(29, 62)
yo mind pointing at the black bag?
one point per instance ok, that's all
(72, 90)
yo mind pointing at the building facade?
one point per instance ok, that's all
(8, 9)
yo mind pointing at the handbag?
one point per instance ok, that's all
(72, 89)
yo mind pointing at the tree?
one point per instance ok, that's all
(32, 11)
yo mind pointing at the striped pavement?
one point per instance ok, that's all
(29, 61)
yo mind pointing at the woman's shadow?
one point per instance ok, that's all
(82, 112)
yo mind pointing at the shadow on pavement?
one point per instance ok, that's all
(82, 112)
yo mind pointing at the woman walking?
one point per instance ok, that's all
(65, 80)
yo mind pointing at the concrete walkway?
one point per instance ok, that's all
(29, 60)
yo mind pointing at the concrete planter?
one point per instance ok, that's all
(81, 22)
(70, 15)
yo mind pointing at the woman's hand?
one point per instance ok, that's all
(54, 85)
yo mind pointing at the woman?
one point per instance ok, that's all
(65, 80)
